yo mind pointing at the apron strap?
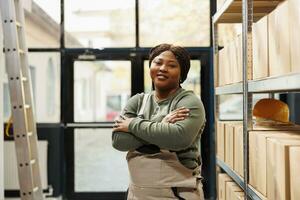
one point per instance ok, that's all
(145, 99)
(175, 192)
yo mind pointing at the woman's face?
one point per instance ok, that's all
(165, 71)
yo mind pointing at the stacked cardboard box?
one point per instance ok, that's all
(228, 189)
(258, 156)
(279, 41)
(276, 45)
(294, 172)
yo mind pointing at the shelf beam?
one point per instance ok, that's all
(236, 88)
(237, 179)
(231, 11)
(285, 83)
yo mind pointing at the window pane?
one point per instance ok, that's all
(98, 166)
(147, 78)
(191, 83)
(45, 77)
(231, 106)
(100, 23)
(101, 89)
(42, 18)
(180, 22)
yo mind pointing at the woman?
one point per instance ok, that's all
(161, 132)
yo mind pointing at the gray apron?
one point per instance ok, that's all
(161, 176)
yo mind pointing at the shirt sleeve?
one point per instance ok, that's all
(177, 136)
(124, 141)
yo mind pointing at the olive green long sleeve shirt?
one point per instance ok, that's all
(183, 137)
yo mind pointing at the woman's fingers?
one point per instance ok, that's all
(181, 112)
(177, 115)
(173, 120)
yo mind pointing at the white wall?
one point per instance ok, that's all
(1, 113)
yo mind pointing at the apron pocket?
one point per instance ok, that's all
(144, 172)
(174, 174)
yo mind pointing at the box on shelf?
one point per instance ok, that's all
(238, 150)
(223, 179)
(220, 140)
(260, 49)
(278, 177)
(235, 56)
(220, 4)
(294, 172)
(238, 196)
(294, 20)
(229, 146)
(222, 67)
(239, 56)
(231, 187)
(233, 62)
(258, 156)
(279, 41)
(228, 32)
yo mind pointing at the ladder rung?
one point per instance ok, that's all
(32, 161)
(29, 134)
(21, 51)
(24, 79)
(35, 189)
(18, 24)
(27, 106)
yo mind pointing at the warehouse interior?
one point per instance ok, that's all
(87, 58)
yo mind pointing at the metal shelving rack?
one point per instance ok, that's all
(247, 12)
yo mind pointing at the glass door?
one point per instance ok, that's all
(99, 90)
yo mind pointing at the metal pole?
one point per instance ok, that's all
(247, 75)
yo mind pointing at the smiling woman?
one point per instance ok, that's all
(161, 132)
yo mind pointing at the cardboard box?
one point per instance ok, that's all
(231, 187)
(238, 196)
(279, 41)
(260, 49)
(228, 65)
(239, 55)
(294, 20)
(236, 57)
(220, 4)
(278, 177)
(233, 62)
(258, 156)
(294, 172)
(252, 159)
(238, 150)
(220, 135)
(229, 145)
(235, 189)
(228, 32)
(222, 67)
(223, 179)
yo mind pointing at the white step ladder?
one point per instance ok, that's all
(25, 136)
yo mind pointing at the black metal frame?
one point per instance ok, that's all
(61, 137)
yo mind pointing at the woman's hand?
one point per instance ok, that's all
(176, 115)
(122, 123)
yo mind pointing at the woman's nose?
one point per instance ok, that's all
(163, 67)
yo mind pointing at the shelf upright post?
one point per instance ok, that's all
(216, 67)
(247, 13)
